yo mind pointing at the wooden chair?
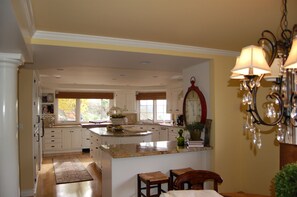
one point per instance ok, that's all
(195, 180)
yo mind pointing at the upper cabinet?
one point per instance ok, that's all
(126, 100)
(174, 97)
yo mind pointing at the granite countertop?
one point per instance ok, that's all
(66, 126)
(102, 131)
(147, 149)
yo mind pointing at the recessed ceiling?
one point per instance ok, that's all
(224, 25)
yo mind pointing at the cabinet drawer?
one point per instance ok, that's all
(53, 134)
(53, 140)
(52, 146)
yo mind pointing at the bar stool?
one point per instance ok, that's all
(175, 173)
(151, 180)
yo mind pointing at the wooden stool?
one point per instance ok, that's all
(175, 173)
(151, 180)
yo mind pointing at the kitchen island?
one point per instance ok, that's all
(122, 162)
(102, 136)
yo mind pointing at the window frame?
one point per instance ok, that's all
(77, 111)
(155, 120)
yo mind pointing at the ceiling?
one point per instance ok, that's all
(146, 40)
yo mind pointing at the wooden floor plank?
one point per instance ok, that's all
(47, 187)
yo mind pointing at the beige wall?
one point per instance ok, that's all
(25, 98)
(242, 167)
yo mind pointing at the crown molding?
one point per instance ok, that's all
(44, 37)
(25, 12)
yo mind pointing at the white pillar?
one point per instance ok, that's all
(9, 162)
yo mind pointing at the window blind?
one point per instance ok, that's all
(150, 95)
(85, 95)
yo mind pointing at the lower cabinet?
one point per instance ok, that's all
(72, 138)
(52, 140)
(86, 138)
(172, 133)
(59, 140)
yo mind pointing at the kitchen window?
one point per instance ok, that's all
(74, 107)
(153, 110)
(83, 110)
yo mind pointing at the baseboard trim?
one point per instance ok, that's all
(27, 193)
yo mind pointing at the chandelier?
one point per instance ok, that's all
(274, 59)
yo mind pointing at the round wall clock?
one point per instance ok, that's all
(194, 106)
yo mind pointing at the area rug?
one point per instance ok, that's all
(69, 170)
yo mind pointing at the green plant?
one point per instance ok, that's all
(286, 181)
(195, 126)
(117, 116)
(195, 130)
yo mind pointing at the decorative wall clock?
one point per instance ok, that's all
(194, 106)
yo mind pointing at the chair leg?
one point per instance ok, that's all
(170, 186)
(159, 189)
(148, 189)
(138, 186)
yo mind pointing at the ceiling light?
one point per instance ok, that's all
(274, 59)
(145, 62)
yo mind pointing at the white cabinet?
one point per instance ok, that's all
(174, 99)
(159, 133)
(86, 138)
(126, 100)
(172, 133)
(52, 140)
(155, 130)
(97, 141)
(72, 139)
(163, 134)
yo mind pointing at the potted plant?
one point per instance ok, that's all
(286, 181)
(116, 116)
(195, 130)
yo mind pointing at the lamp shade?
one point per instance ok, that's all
(275, 70)
(236, 76)
(251, 62)
(292, 59)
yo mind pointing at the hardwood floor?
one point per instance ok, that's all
(47, 187)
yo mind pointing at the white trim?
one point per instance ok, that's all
(58, 36)
(12, 57)
(26, 7)
(28, 192)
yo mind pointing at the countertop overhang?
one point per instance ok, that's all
(102, 131)
(148, 149)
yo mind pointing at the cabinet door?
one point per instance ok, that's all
(131, 101)
(172, 134)
(155, 132)
(126, 100)
(66, 140)
(169, 101)
(76, 138)
(86, 136)
(174, 99)
(163, 134)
